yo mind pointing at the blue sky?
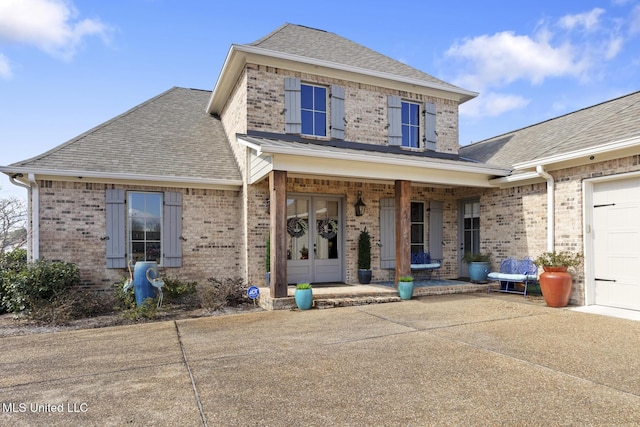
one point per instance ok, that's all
(69, 65)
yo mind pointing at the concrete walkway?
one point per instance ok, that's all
(452, 360)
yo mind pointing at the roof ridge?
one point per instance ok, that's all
(269, 35)
(83, 135)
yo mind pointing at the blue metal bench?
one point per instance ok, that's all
(512, 272)
(421, 262)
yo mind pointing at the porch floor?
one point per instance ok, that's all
(374, 293)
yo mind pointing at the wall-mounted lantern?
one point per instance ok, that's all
(360, 206)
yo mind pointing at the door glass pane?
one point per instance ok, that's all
(297, 229)
(327, 229)
(472, 227)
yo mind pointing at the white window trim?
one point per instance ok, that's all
(128, 227)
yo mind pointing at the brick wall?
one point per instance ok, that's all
(73, 222)
(365, 107)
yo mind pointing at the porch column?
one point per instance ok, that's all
(278, 229)
(403, 229)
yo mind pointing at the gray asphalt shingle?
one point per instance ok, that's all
(169, 135)
(319, 44)
(608, 122)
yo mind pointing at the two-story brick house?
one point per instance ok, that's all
(300, 127)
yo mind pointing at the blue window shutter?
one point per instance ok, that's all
(292, 104)
(115, 227)
(436, 220)
(172, 230)
(337, 112)
(430, 125)
(394, 107)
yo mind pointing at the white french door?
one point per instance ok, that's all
(315, 243)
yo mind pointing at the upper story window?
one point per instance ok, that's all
(410, 125)
(145, 226)
(313, 110)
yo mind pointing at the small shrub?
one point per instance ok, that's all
(147, 310)
(303, 286)
(11, 265)
(124, 300)
(178, 291)
(39, 283)
(217, 293)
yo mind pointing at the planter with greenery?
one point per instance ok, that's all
(364, 257)
(479, 266)
(304, 296)
(405, 287)
(555, 281)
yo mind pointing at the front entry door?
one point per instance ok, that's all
(314, 239)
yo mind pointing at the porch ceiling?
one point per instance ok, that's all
(346, 162)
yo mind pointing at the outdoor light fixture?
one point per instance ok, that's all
(360, 205)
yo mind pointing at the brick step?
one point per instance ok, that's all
(353, 301)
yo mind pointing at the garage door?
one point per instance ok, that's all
(616, 244)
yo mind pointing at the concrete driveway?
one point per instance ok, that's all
(471, 359)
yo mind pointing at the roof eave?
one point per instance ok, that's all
(238, 55)
(111, 177)
(599, 153)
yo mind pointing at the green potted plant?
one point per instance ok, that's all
(555, 281)
(364, 257)
(304, 296)
(405, 287)
(479, 266)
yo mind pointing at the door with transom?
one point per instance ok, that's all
(315, 243)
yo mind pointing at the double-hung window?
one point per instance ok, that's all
(410, 124)
(417, 227)
(313, 110)
(145, 226)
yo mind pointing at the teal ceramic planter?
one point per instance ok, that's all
(304, 298)
(405, 289)
(478, 271)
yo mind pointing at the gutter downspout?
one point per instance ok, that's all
(550, 207)
(12, 178)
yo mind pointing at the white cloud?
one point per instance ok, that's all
(492, 104)
(635, 20)
(50, 25)
(588, 20)
(505, 57)
(5, 68)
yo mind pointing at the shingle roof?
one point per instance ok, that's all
(169, 135)
(319, 44)
(603, 123)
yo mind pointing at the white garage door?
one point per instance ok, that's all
(616, 234)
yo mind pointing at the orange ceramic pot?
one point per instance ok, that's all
(555, 284)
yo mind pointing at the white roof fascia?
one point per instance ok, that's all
(583, 153)
(517, 179)
(421, 162)
(464, 95)
(78, 175)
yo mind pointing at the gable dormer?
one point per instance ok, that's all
(316, 84)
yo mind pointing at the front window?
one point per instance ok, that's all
(410, 124)
(145, 226)
(314, 110)
(417, 227)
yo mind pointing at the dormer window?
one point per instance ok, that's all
(313, 110)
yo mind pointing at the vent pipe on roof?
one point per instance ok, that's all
(550, 207)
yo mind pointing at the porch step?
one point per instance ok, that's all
(353, 301)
